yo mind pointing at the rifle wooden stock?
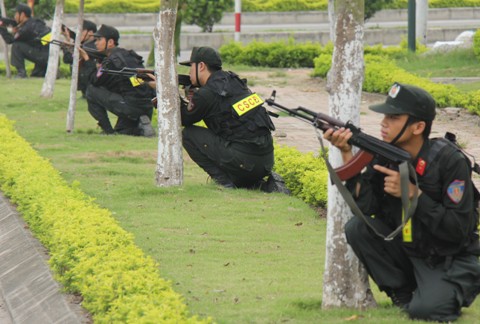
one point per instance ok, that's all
(354, 166)
(369, 146)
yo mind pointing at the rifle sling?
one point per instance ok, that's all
(408, 206)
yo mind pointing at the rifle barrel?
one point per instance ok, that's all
(8, 22)
(361, 140)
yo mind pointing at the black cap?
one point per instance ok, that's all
(407, 99)
(205, 54)
(21, 7)
(108, 32)
(89, 25)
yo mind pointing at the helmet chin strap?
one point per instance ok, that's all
(196, 74)
(401, 131)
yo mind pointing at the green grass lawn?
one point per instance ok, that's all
(460, 63)
(235, 255)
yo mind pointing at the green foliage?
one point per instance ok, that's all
(205, 13)
(63, 69)
(476, 43)
(305, 175)
(125, 6)
(275, 54)
(90, 253)
(382, 72)
(283, 5)
(322, 63)
(113, 6)
(403, 4)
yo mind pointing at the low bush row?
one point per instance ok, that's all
(63, 70)
(90, 253)
(131, 6)
(380, 68)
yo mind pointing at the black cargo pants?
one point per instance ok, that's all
(440, 289)
(22, 51)
(101, 101)
(226, 162)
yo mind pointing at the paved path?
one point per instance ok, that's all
(28, 292)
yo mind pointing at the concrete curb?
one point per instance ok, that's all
(29, 292)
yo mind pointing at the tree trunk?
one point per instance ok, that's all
(422, 18)
(52, 69)
(169, 170)
(345, 280)
(6, 56)
(74, 83)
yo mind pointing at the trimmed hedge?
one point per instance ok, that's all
(380, 68)
(275, 54)
(476, 44)
(305, 175)
(90, 253)
(113, 6)
(131, 6)
(63, 70)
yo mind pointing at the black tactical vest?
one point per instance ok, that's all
(229, 90)
(118, 59)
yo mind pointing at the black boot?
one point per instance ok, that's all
(400, 297)
(145, 126)
(274, 183)
(21, 74)
(106, 127)
(221, 178)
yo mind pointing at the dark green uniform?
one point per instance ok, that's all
(235, 150)
(435, 259)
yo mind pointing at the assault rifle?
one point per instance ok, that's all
(94, 54)
(369, 146)
(183, 79)
(5, 22)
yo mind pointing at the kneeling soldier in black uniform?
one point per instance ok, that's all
(123, 97)
(236, 149)
(26, 43)
(431, 269)
(86, 65)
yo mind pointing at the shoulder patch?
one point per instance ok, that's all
(455, 190)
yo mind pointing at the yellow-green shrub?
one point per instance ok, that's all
(90, 253)
(305, 174)
(284, 5)
(110, 6)
(63, 70)
(273, 54)
(476, 43)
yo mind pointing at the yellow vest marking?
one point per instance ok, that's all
(46, 39)
(247, 104)
(407, 231)
(136, 81)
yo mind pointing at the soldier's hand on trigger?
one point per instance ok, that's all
(153, 80)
